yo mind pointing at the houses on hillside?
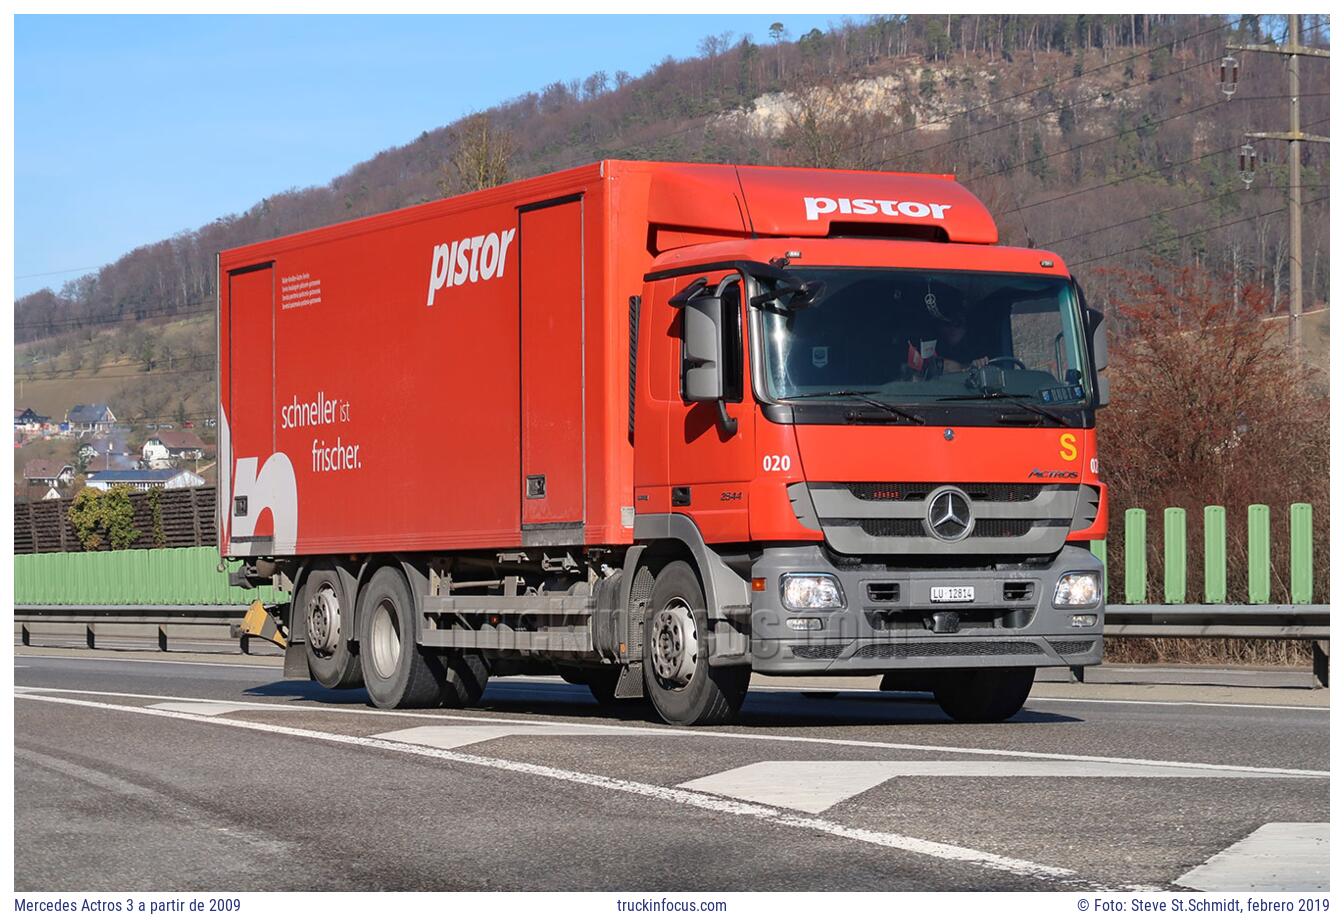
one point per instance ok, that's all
(48, 473)
(46, 478)
(166, 447)
(144, 480)
(103, 454)
(96, 418)
(28, 420)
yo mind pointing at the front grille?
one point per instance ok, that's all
(914, 527)
(959, 647)
(918, 491)
(1073, 646)
(888, 527)
(816, 651)
(1017, 590)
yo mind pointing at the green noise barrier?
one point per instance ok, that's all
(153, 577)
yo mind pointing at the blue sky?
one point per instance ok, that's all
(131, 128)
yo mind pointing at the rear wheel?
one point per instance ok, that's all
(329, 614)
(985, 695)
(678, 678)
(465, 675)
(397, 675)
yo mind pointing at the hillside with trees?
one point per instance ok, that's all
(1105, 137)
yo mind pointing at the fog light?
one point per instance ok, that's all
(811, 592)
(803, 623)
(1078, 589)
(1083, 620)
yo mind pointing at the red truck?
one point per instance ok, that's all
(656, 426)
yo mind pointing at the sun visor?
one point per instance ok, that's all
(808, 202)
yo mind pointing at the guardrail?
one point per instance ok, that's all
(199, 621)
(1310, 622)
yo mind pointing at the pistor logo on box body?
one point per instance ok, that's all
(468, 260)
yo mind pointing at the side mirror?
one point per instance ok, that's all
(1096, 325)
(702, 358)
(701, 348)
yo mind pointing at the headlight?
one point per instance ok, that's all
(811, 592)
(1078, 589)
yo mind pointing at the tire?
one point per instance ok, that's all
(602, 685)
(908, 681)
(465, 675)
(983, 695)
(329, 620)
(687, 691)
(397, 675)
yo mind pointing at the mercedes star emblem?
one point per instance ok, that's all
(949, 515)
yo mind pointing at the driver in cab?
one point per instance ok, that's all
(946, 345)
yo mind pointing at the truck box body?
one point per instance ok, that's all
(404, 374)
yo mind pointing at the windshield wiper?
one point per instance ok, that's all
(1012, 398)
(866, 397)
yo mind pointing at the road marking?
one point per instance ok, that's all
(745, 736)
(816, 785)
(1274, 857)
(190, 664)
(516, 683)
(206, 709)
(667, 794)
(456, 736)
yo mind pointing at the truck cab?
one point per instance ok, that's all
(875, 429)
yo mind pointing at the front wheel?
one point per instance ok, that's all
(678, 678)
(983, 695)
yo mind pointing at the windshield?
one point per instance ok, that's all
(909, 336)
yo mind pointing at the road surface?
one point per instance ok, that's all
(138, 771)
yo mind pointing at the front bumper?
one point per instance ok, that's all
(888, 622)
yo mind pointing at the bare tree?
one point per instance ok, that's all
(482, 157)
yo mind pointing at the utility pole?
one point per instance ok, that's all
(1294, 49)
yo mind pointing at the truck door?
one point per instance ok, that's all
(250, 400)
(551, 293)
(709, 467)
(251, 396)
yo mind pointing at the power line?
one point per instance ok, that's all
(57, 375)
(1181, 236)
(1137, 175)
(1152, 214)
(168, 311)
(1109, 137)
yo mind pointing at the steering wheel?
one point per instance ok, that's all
(1009, 360)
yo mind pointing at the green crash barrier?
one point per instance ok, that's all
(1299, 552)
(1173, 555)
(1257, 553)
(134, 576)
(1215, 554)
(1136, 556)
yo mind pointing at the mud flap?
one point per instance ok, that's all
(630, 685)
(259, 623)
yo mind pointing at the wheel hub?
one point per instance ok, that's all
(386, 644)
(324, 620)
(676, 644)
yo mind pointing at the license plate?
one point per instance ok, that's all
(958, 594)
